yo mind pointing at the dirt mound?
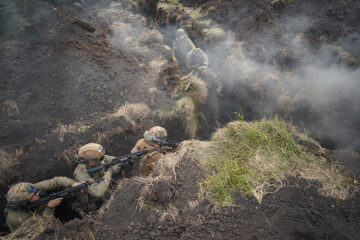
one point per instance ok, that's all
(166, 205)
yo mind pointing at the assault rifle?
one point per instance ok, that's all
(162, 143)
(123, 159)
(126, 158)
(61, 194)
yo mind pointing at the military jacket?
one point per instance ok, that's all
(147, 161)
(16, 217)
(182, 46)
(95, 191)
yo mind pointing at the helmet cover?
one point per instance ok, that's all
(20, 192)
(180, 32)
(155, 133)
(91, 152)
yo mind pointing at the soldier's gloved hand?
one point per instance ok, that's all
(115, 169)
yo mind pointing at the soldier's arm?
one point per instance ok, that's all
(108, 158)
(54, 183)
(97, 189)
(14, 219)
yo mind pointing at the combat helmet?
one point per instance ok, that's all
(180, 32)
(90, 152)
(20, 193)
(155, 134)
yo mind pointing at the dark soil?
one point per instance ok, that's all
(63, 69)
(295, 212)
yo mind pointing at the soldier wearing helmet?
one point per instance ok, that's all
(90, 155)
(151, 139)
(22, 193)
(182, 46)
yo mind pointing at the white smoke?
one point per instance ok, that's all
(319, 79)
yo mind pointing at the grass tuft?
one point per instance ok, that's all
(186, 109)
(136, 114)
(255, 157)
(193, 87)
(169, 5)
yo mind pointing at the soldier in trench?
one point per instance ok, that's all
(90, 155)
(23, 193)
(151, 139)
(182, 46)
(194, 60)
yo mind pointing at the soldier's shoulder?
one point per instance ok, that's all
(80, 168)
(141, 142)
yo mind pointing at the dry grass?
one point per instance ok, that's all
(169, 77)
(193, 204)
(194, 93)
(152, 36)
(158, 63)
(10, 108)
(7, 162)
(135, 114)
(34, 227)
(214, 34)
(76, 128)
(171, 212)
(193, 87)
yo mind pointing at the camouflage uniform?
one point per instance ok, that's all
(148, 142)
(196, 58)
(182, 46)
(16, 217)
(210, 78)
(147, 161)
(95, 192)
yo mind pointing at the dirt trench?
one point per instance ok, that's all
(64, 78)
(53, 101)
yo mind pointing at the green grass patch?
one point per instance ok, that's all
(254, 158)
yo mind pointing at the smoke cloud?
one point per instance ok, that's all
(313, 84)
